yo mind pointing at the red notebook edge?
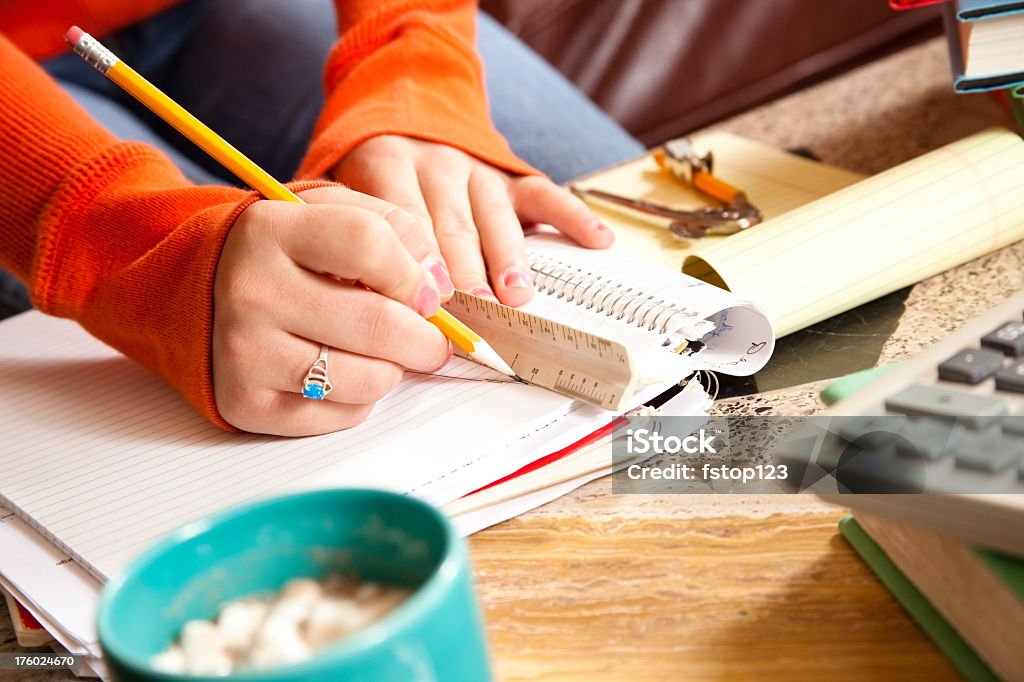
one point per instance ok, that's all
(593, 437)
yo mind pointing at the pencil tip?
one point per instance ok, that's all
(486, 355)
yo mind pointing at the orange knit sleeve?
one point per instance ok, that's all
(109, 233)
(406, 67)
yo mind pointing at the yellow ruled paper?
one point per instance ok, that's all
(891, 230)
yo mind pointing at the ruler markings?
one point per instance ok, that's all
(557, 356)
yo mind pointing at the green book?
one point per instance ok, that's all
(946, 638)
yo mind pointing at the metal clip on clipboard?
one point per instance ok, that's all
(679, 159)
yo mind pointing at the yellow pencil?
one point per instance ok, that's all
(104, 61)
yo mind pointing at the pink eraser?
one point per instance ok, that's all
(73, 35)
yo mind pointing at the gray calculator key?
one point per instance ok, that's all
(1008, 339)
(1011, 378)
(976, 411)
(869, 430)
(925, 438)
(971, 365)
(1014, 425)
(990, 450)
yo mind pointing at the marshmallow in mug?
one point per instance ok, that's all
(257, 634)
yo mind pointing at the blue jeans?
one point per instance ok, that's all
(211, 56)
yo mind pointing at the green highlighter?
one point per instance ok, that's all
(846, 386)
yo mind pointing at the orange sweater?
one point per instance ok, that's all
(109, 233)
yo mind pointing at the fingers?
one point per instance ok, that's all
(277, 285)
(270, 405)
(245, 376)
(353, 243)
(501, 237)
(452, 214)
(383, 167)
(538, 200)
(408, 220)
(289, 414)
(388, 175)
(361, 322)
(355, 379)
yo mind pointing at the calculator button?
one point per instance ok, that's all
(990, 450)
(869, 431)
(1011, 378)
(925, 438)
(976, 411)
(878, 471)
(1014, 424)
(1008, 339)
(971, 365)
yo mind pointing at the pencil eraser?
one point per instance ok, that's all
(73, 35)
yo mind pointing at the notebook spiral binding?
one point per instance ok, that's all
(602, 295)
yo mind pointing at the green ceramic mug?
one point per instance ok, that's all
(435, 635)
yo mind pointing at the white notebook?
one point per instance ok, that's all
(103, 458)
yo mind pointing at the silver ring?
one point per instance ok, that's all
(316, 385)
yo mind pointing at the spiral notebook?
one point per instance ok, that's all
(604, 324)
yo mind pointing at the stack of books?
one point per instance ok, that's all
(986, 42)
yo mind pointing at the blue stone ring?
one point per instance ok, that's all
(316, 385)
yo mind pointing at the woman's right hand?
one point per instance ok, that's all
(288, 281)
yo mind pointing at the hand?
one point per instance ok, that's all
(477, 211)
(286, 283)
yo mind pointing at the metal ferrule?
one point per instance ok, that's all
(92, 51)
(683, 161)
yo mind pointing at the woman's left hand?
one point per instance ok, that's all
(477, 210)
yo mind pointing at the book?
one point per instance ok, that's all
(966, 10)
(116, 458)
(27, 630)
(970, 601)
(986, 51)
(942, 633)
(560, 472)
(57, 592)
(973, 10)
(912, 4)
(1016, 97)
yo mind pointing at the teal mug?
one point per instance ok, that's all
(435, 635)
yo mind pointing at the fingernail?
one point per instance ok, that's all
(451, 351)
(440, 274)
(515, 279)
(484, 292)
(427, 301)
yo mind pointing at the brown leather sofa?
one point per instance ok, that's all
(665, 67)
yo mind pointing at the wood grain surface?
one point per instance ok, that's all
(620, 597)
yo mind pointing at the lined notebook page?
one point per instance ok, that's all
(775, 180)
(103, 457)
(891, 230)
